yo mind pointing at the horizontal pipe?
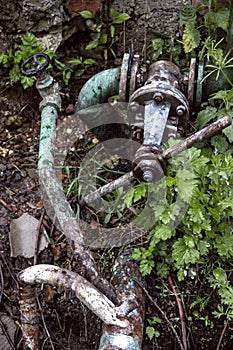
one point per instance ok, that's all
(99, 88)
(204, 133)
(84, 290)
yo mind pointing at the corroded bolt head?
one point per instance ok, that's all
(148, 176)
(180, 110)
(158, 97)
(134, 106)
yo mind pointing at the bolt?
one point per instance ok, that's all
(180, 110)
(158, 97)
(147, 176)
(134, 106)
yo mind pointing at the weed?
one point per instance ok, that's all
(104, 36)
(29, 46)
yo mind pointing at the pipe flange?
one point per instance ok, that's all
(166, 92)
(191, 82)
(124, 77)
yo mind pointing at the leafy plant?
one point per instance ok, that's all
(104, 36)
(215, 17)
(13, 60)
(30, 46)
(151, 330)
(75, 66)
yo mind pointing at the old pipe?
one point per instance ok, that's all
(127, 279)
(99, 88)
(67, 280)
(54, 196)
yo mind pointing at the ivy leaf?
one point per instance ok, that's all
(190, 38)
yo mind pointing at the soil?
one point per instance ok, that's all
(65, 322)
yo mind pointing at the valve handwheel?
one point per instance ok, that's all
(32, 66)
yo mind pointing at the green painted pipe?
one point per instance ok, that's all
(47, 137)
(99, 88)
(92, 107)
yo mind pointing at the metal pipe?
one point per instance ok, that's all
(71, 281)
(127, 280)
(99, 88)
(54, 198)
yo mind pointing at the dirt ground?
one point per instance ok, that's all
(65, 322)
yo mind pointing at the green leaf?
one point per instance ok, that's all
(89, 61)
(92, 45)
(75, 61)
(146, 267)
(66, 76)
(220, 143)
(112, 31)
(105, 55)
(27, 81)
(217, 19)
(205, 116)
(187, 15)
(229, 133)
(114, 13)
(87, 14)
(150, 332)
(79, 72)
(190, 38)
(103, 39)
(121, 18)
(220, 275)
(157, 45)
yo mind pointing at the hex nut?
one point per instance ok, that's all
(180, 110)
(158, 97)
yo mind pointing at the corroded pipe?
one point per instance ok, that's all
(125, 276)
(71, 281)
(99, 88)
(54, 196)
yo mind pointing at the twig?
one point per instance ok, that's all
(5, 205)
(44, 324)
(4, 329)
(181, 311)
(2, 284)
(161, 311)
(221, 336)
(38, 236)
(2, 325)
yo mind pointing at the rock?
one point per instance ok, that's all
(23, 236)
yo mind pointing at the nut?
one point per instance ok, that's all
(134, 106)
(158, 97)
(180, 110)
